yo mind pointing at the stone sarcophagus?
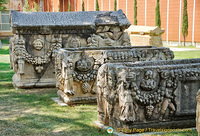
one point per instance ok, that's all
(76, 69)
(38, 34)
(148, 95)
(198, 113)
(145, 35)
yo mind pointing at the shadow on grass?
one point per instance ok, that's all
(35, 124)
(24, 113)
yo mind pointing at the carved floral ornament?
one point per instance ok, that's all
(85, 72)
(21, 53)
(138, 54)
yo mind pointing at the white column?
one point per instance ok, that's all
(117, 4)
(94, 5)
(74, 5)
(101, 5)
(48, 5)
(179, 38)
(193, 22)
(87, 5)
(167, 21)
(126, 7)
(145, 13)
(22, 5)
(63, 5)
(53, 5)
(81, 4)
(109, 5)
(41, 5)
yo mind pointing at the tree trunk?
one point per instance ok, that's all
(184, 40)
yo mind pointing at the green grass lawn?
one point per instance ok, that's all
(187, 54)
(32, 112)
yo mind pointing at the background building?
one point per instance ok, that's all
(170, 11)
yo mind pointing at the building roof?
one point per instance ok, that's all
(69, 19)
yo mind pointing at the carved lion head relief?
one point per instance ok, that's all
(85, 64)
(38, 44)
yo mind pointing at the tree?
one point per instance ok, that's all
(115, 5)
(2, 7)
(185, 21)
(26, 6)
(36, 7)
(69, 8)
(83, 8)
(158, 21)
(135, 12)
(97, 5)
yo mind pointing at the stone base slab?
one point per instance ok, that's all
(32, 83)
(77, 100)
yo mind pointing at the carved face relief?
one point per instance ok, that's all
(149, 74)
(75, 43)
(115, 29)
(148, 83)
(149, 111)
(84, 65)
(38, 44)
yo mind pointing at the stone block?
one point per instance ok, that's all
(145, 35)
(148, 95)
(76, 69)
(38, 34)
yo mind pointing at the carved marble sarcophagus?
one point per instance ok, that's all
(38, 34)
(76, 69)
(198, 113)
(148, 95)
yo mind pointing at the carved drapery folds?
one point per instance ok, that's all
(148, 93)
(76, 69)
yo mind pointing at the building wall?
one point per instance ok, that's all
(171, 20)
(169, 11)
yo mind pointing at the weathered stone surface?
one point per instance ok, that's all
(38, 34)
(198, 113)
(89, 19)
(145, 35)
(76, 69)
(32, 61)
(154, 94)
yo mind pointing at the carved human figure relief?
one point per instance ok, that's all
(169, 85)
(109, 36)
(38, 44)
(18, 54)
(148, 83)
(128, 106)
